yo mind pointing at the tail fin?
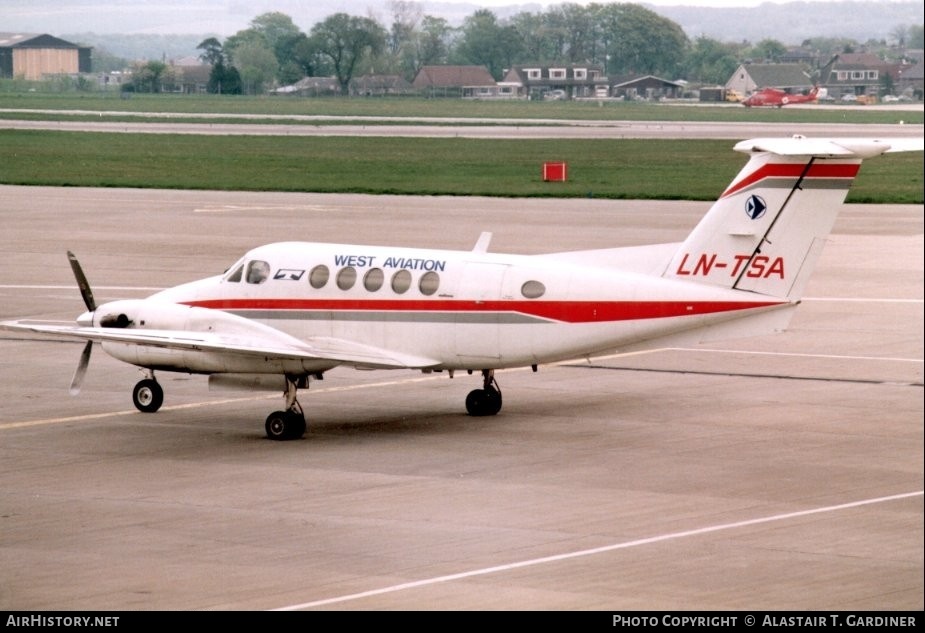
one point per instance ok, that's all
(766, 231)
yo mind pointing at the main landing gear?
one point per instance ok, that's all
(288, 424)
(487, 400)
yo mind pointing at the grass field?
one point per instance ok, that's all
(662, 169)
(632, 169)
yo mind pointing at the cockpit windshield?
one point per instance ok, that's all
(257, 272)
(236, 272)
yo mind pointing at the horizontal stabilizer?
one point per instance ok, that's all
(831, 147)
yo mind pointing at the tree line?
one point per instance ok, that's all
(623, 39)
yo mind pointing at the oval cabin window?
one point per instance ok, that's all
(401, 281)
(533, 289)
(373, 280)
(429, 283)
(346, 277)
(319, 276)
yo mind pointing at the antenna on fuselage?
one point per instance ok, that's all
(482, 245)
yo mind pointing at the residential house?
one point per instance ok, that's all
(748, 78)
(469, 82)
(192, 76)
(909, 81)
(568, 81)
(860, 74)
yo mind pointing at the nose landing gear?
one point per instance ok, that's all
(148, 395)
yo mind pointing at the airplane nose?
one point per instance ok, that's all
(85, 319)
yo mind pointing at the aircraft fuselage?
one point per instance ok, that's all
(463, 310)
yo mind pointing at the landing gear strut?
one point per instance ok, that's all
(288, 424)
(148, 395)
(487, 400)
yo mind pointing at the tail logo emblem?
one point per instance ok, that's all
(755, 207)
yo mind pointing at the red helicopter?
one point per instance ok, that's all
(777, 98)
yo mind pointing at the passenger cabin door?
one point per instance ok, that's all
(477, 327)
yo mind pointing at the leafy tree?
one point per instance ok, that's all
(276, 29)
(916, 37)
(540, 40)
(400, 52)
(639, 41)
(482, 42)
(431, 43)
(149, 76)
(828, 46)
(223, 79)
(257, 65)
(578, 29)
(710, 61)
(212, 53)
(345, 40)
(767, 50)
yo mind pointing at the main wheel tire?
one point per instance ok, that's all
(285, 425)
(475, 402)
(297, 421)
(277, 426)
(148, 396)
(492, 401)
(482, 402)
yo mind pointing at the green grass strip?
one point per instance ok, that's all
(607, 168)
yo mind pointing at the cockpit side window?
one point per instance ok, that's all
(235, 275)
(257, 272)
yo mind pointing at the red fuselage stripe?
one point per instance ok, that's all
(562, 311)
(794, 170)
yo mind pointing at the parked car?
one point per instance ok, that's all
(849, 98)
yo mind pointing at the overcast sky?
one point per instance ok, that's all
(664, 3)
(225, 17)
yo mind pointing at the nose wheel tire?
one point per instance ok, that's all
(285, 425)
(148, 396)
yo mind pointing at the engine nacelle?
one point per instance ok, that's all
(199, 340)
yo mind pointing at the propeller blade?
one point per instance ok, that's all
(82, 282)
(81, 369)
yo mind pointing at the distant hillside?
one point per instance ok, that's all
(794, 22)
(141, 46)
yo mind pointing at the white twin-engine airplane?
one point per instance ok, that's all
(286, 313)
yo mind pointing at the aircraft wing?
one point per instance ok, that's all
(340, 351)
(831, 147)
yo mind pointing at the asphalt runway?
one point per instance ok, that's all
(768, 473)
(434, 127)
